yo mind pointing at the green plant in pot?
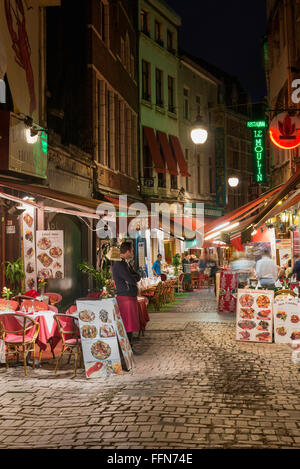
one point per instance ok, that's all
(176, 262)
(98, 276)
(14, 274)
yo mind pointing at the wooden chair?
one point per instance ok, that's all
(37, 305)
(157, 296)
(8, 304)
(19, 340)
(54, 298)
(70, 336)
(179, 282)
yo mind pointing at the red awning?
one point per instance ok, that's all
(171, 162)
(154, 150)
(175, 143)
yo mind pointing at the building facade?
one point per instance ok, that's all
(282, 66)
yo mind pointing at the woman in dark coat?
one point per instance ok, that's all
(126, 278)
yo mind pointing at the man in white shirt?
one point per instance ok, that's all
(266, 270)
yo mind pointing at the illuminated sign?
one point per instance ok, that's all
(284, 131)
(259, 150)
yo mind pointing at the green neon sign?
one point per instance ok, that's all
(256, 124)
(259, 155)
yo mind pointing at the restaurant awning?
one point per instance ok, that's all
(154, 149)
(167, 151)
(175, 143)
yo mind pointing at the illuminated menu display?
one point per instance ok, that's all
(259, 150)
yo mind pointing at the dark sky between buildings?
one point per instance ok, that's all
(227, 34)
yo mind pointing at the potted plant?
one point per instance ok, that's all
(42, 286)
(7, 293)
(99, 276)
(176, 263)
(14, 273)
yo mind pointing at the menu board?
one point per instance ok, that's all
(228, 292)
(254, 316)
(28, 232)
(286, 320)
(101, 327)
(50, 254)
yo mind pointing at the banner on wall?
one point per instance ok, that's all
(102, 331)
(254, 316)
(29, 249)
(50, 254)
(141, 254)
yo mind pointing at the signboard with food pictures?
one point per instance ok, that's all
(101, 327)
(228, 292)
(28, 232)
(286, 320)
(254, 317)
(50, 254)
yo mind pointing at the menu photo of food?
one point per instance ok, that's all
(99, 338)
(254, 318)
(29, 251)
(50, 252)
(286, 320)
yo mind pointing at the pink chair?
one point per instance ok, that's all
(38, 305)
(53, 308)
(54, 298)
(8, 304)
(19, 334)
(70, 336)
(71, 310)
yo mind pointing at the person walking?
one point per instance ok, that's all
(296, 268)
(266, 270)
(186, 267)
(156, 268)
(126, 278)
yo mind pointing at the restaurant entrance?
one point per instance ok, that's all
(74, 285)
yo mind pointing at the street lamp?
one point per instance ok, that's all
(199, 132)
(233, 181)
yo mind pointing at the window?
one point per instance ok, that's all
(174, 184)
(170, 41)
(147, 160)
(235, 160)
(187, 163)
(158, 33)
(144, 22)
(145, 80)
(171, 91)
(108, 139)
(161, 180)
(186, 103)
(159, 87)
(199, 174)
(198, 105)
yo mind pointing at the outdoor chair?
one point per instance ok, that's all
(70, 336)
(53, 308)
(157, 296)
(19, 334)
(54, 298)
(71, 310)
(163, 277)
(8, 305)
(37, 305)
(285, 292)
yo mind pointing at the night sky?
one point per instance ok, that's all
(226, 34)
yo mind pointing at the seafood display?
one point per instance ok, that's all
(87, 316)
(246, 300)
(44, 243)
(254, 315)
(89, 332)
(100, 350)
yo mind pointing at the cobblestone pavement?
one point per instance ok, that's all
(195, 387)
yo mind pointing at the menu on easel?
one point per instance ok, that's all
(286, 320)
(254, 316)
(101, 327)
(50, 254)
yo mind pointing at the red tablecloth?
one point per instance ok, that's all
(48, 327)
(143, 313)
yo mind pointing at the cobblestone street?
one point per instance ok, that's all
(194, 387)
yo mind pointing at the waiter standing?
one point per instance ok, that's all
(126, 280)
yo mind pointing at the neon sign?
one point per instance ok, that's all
(259, 150)
(284, 131)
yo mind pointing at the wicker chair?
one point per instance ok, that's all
(19, 340)
(54, 298)
(70, 336)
